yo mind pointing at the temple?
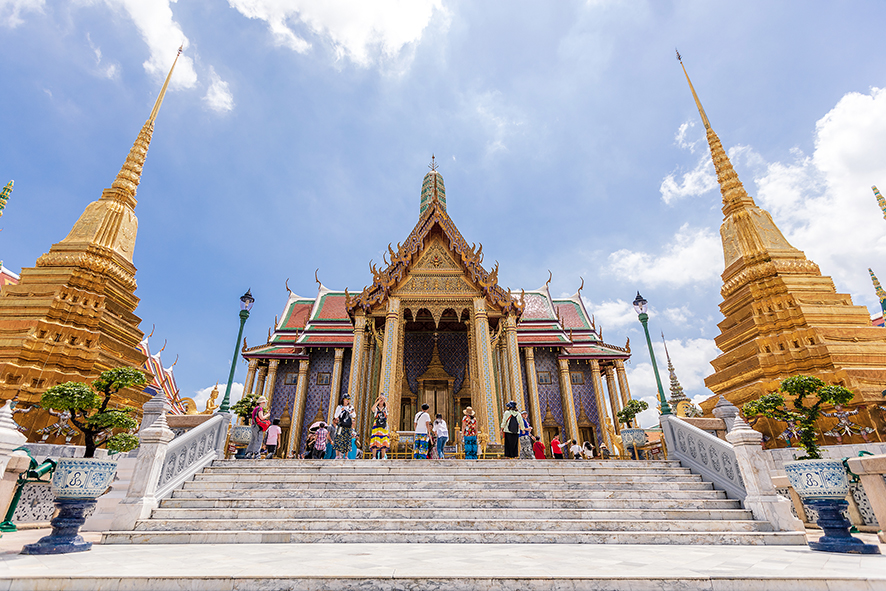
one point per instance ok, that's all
(782, 317)
(72, 315)
(435, 327)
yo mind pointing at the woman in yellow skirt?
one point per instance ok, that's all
(378, 441)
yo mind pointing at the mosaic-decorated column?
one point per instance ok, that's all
(532, 385)
(622, 382)
(389, 360)
(614, 402)
(250, 377)
(513, 358)
(335, 385)
(271, 381)
(260, 378)
(484, 381)
(601, 403)
(367, 396)
(298, 408)
(357, 359)
(569, 416)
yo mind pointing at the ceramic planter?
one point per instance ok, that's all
(241, 435)
(633, 438)
(82, 478)
(818, 479)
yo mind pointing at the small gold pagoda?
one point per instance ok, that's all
(782, 317)
(72, 315)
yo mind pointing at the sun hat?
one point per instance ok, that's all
(469, 411)
(512, 405)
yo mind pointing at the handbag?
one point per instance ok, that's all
(345, 419)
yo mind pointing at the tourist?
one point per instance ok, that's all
(510, 429)
(604, 451)
(260, 423)
(309, 445)
(538, 448)
(379, 441)
(441, 431)
(556, 450)
(526, 452)
(469, 434)
(355, 446)
(575, 450)
(344, 419)
(321, 438)
(272, 438)
(587, 450)
(422, 434)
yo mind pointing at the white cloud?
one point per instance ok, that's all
(679, 315)
(499, 120)
(612, 313)
(697, 181)
(106, 71)
(363, 32)
(693, 256)
(218, 97)
(11, 10)
(691, 359)
(163, 35)
(201, 396)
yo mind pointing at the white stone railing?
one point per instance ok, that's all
(710, 457)
(190, 453)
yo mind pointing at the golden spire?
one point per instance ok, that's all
(4, 196)
(130, 174)
(733, 192)
(878, 288)
(880, 200)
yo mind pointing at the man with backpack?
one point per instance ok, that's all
(510, 429)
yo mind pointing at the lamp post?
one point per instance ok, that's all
(246, 301)
(640, 307)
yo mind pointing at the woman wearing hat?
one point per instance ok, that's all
(260, 422)
(525, 437)
(510, 429)
(378, 441)
(469, 434)
(344, 418)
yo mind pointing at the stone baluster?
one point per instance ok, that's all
(152, 409)
(140, 498)
(762, 499)
(727, 411)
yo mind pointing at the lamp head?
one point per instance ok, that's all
(246, 300)
(640, 304)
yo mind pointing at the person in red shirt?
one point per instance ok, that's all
(538, 448)
(555, 447)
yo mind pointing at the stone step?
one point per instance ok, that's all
(456, 513)
(260, 476)
(628, 492)
(461, 486)
(367, 469)
(449, 503)
(481, 465)
(349, 524)
(455, 537)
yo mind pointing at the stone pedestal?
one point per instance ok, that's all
(836, 536)
(64, 537)
(762, 499)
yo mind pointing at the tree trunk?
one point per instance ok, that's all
(89, 442)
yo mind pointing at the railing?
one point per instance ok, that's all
(189, 453)
(708, 456)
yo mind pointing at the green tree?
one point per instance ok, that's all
(89, 410)
(631, 410)
(245, 405)
(800, 389)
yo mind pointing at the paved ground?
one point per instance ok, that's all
(438, 566)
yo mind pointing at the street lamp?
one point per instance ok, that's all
(640, 307)
(246, 301)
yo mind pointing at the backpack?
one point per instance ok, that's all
(345, 419)
(513, 425)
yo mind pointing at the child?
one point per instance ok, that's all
(556, 450)
(320, 442)
(575, 449)
(273, 437)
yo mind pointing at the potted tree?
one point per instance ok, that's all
(241, 434)
(821, 483)
(632, 437)
(78, 482)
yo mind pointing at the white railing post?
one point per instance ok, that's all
(140, 499)
(762, 499)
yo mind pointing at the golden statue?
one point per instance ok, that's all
(211, 404)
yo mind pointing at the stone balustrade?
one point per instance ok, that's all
(871, 471)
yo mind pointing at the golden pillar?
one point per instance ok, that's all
(335, 385)
(532, 385)
(513, 360)
(250, 376)
(260, 379)
(389, 362)
(614, 402)
(367, 396)
(601, 403)
(485, 383)
(354, 381)
(298, 408)
(271, 380)
(569, 416)
(622, 382)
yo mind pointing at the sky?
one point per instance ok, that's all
(296, 134)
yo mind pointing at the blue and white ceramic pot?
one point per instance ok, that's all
(241, 435)
(633, 438)
(818, 479)
(82, 478)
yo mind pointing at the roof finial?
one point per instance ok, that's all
(677, 393)
(880, 199)
(4, 196)
(704, 117)
(130, 174)
(881, 294)
(433, 164)
(317, 279)
(550, 276)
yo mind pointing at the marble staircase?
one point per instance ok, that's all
(454, 501)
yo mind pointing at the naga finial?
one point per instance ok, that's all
(628, 345)
(163, 348)
(244, 345)
(287, 286)
(176, 361)
(317, 279)
(550, 276)
(153, 326)
(582, 285)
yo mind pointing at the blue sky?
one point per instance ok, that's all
(296, 135)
